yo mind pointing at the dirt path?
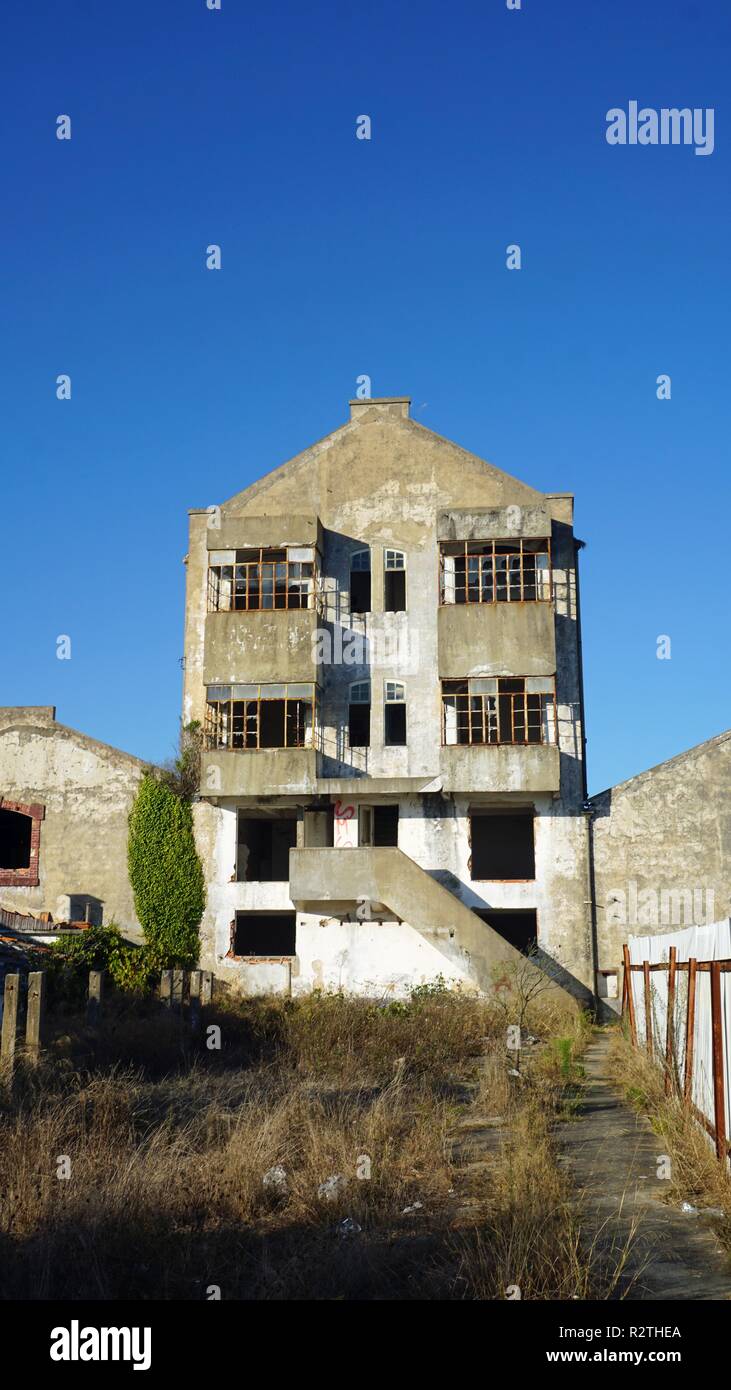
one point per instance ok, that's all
(611, 1155)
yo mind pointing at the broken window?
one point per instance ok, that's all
(378, 826)
(15, 840)
(394, 581)
(515, 709)
(502, 845)
(83, 908)
(263, 845)
(519, 928)
(360, 582)
(261, 578)
(260, 716)
(359, 715)
(394, 714)
(265, 934)
(513, 571)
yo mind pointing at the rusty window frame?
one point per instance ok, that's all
(505, 716)
(291, 584)
(483, 564)
(233, 722)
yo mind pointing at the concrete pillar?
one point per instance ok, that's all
(96, 995)
(166, 988)
(35, 1014)
(10, 1019)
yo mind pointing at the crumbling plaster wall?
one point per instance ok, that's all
(87, 789)
(367, 957)
(667, 831)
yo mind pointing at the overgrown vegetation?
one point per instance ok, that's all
(164, 868)
(169, 1143)
(129, 967)
(696, 1175)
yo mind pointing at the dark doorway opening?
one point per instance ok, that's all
(502, 846)
(265, 933)
(359, 726)
(262, 852)
(15, 833)
(519, 928)
(385, 825)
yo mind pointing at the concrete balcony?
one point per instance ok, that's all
(259, 773)
(496, 639)
(260, 647)
(501, 767)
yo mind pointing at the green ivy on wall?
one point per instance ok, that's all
(165, 872)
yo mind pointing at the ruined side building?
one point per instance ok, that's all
(382, 645)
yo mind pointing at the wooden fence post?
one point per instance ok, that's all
(195, 1000)
(95, 998)
(35, 1013)
(719, 1098)
(690, 1033)
(649, 1041)
(166, 988)
(670, 1029)
(10, 1019)
(630, 995)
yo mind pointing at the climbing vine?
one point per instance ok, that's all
(165, 872)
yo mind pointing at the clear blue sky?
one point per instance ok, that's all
(342, 257)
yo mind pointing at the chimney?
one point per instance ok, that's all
(396, 406)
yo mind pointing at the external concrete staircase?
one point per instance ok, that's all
(337, 882)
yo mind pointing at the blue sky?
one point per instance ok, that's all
(341, 257)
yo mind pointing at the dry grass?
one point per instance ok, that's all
(168, 1145)
(697, 1176)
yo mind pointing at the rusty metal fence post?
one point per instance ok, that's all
(690, 1032)
(670, 1029)
(719, 1096)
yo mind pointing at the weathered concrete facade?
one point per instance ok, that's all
(71, 860)
(383, 492)
(662, 850)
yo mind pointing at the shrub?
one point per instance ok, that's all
(130, 967)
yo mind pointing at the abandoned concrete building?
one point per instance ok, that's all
(64, 803)
(382, 643)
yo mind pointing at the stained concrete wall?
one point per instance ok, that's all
(365, 957)
(662, 848)
(87, 789)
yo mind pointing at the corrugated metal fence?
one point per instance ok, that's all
(677, 993)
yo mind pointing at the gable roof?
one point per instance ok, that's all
(366, 453)
(43, 719)
(675, 763)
